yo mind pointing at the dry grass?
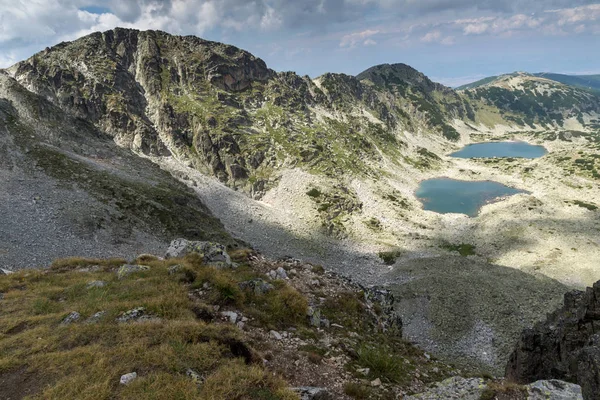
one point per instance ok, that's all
(85, 361)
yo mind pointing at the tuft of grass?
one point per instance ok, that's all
(234, 381)
(314, 193)
(345, 309)
(503, 391)
(357, 391)
(383, 363)
(389, 257)
(71, 263)
(587, 206)
(281, 308)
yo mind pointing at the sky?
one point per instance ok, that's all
(452, 41)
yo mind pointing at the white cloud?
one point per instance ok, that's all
(353, 39)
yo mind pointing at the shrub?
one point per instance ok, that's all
(383, 363)
(314, 193)
(389, 257)
(357, 391)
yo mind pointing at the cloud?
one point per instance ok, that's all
(353, 39)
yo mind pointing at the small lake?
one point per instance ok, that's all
(500, 149)
(444, 195)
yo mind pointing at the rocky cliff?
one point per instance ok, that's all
(565, 346)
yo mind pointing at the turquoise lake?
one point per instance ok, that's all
(500, 149)
(444, 195)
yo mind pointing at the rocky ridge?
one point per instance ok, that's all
(565, 346)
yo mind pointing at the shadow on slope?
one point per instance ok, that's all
(70, 190)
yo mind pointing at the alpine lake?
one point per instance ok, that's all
(444, 195)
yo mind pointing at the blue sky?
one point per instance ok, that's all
(452, 41)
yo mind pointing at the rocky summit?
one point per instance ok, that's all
(183, 221)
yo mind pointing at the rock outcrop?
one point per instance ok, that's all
(214, 254)
(477, 388)
(565, 346)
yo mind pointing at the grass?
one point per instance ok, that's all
(464, 249)
(389, 257)
(85, 361)
(384, 363)
(357, 391)
(587, 206)
(503, 391)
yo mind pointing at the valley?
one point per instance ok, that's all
(142, 137)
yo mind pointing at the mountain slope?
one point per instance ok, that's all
(70, 190)
(225, 112)
(583, 81)
(530, 101)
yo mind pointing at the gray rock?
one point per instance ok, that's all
(453, 388)
(281, 274)
(312, 393)
(214, 254)
(96, 317)
(275, 335)
(554, 390)
(136, 314)
(5, 271)
(129, 269)
(258, 286)
(72, 317)
(175, 269)
(194, 376)
(230, 315)
(96, 284)
(128, 378)
(564, 346)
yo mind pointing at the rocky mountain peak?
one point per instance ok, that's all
(386, 75)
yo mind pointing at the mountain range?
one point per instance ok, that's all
(120, 141)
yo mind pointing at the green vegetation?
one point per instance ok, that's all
(583, 204)
(384, 362)
(464, 249)
(503, 390)
(357, 391)
(314, 193)
(389, 257)
(84, 360)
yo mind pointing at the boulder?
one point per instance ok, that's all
(128, 378)
(95, 318)
(454, 388)
(564, 346)
(258, 286)
(275, 335)
(96, 284)
(474, 388)
(553, 390)
(313, 393)
(175, 269)
(129, 269)
(213, 254)
(72, 317)
(136, 314)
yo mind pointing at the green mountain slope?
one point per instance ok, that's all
(527, 100)
(583, 81)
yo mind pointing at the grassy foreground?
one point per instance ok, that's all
(85, 360)
(182, 347)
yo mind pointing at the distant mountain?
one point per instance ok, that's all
(584, 81)
(591, 82)
(529, 100)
